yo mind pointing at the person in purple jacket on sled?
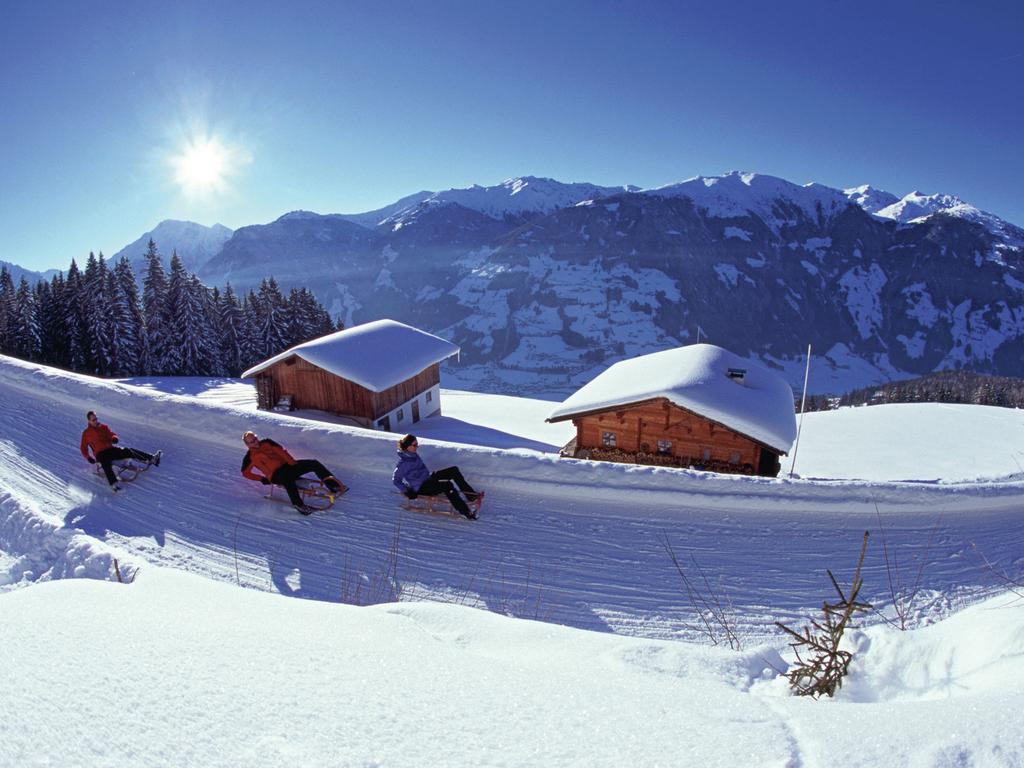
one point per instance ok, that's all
(412, 478)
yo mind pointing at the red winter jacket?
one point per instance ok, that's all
(267, 457)
(99, 438)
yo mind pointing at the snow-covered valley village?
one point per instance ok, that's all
(631, 611)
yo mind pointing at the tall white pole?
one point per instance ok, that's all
(803, 402)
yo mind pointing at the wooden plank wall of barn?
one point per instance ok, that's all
(313, 387)
(646, 423)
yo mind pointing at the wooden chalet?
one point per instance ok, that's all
(384, 375)
(698, 406)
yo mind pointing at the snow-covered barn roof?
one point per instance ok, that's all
(375, 355)
(758, 403)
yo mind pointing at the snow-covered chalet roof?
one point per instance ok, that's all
(375, 355)
(696, 377)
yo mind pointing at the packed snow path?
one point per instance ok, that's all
(569, 542)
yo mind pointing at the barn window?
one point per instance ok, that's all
(608, 439)
(734, 457)
(401, 415)
(665, 447)
(291, 361)
(430, 396)
(707, 454)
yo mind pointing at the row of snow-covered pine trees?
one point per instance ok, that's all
(94, 320)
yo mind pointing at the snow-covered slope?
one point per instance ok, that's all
(589, 533)
(410, 683)
(116, 674)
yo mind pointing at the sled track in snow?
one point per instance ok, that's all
(570, 542)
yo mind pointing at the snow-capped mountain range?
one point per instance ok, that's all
(543, 284)
(194, 244)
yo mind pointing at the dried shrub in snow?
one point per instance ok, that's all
(820, 664)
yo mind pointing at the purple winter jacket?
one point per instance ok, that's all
(410, 472)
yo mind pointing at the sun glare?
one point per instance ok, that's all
(202, 167)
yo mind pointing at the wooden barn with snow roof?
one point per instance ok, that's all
(697, 406)
(384, 375)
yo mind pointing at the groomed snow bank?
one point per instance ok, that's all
(116, 675)
(37, 544)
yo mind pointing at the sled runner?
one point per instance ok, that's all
(313, 492)
(438, 505)
(126, 470)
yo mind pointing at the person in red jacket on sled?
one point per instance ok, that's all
(101, 440)
(281, 468)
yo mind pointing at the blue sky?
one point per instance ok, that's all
(345, 107)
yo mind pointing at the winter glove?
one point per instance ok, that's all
(265, 480)
(92, 460)
(411, 494)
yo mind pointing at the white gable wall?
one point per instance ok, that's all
(400, 419)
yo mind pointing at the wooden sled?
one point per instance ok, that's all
(313, 492)
(125, 470)
(438, 505)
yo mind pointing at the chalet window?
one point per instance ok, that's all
(290, 361)
(665, 447)
(734, 457)
(608, 439)
(430, 397)
(401, 415)
(385, 424)
(707, 454)
(737, 374)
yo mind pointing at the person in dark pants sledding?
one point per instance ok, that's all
(281, 468)
(412, 478)
(101, 440)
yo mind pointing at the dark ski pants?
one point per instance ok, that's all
(289, 473)
(444, 481)
(110, 455)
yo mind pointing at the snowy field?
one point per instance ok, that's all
(102, 673)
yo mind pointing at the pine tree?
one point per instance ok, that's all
(7, 298)
(252, 352)
(71, 307)
(130, 328)
(187, 335)
(27, 341)
(272, 315)
(100, 292)
(52, 324)
(122, 349)
(154, 308)
(210, 357)
(231, 341)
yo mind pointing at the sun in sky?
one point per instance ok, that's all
(204, 164)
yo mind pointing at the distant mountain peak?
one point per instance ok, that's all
(524, 195)
(194, 243)
(298, 215)
(737, 194)
(869, 198)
